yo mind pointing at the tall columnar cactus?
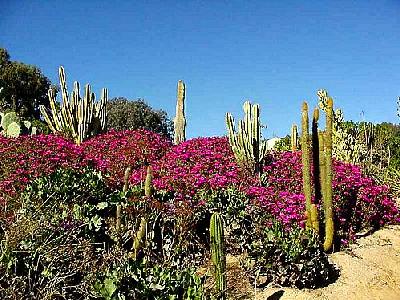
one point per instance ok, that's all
(218, 253)
(329, 227)
(293, 136)
(180, 120)
(398, 107)
(148, 184)
(79, 117)
(127, 174)
(141, 232)
(247, 144)
(305, 159)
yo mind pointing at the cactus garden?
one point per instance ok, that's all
(88, 213)
(199, 150)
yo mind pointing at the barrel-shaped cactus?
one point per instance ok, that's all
(218, 254)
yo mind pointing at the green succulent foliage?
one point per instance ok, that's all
(59, 229)
(13, 126)
(137, 280)
(290, 258)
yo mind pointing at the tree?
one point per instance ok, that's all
(23, 87)
(124, 114)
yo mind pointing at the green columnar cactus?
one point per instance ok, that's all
(148, 184)
(305, 158)
(81, 118)
(322, 164)
(140, 234)
(148, 191)
(329, 227)
(246, 143)
(180, 120)
(293, 140)
(127, 174)
(315, 155)
(218, 254)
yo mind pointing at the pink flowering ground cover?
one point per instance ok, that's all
(359, 203)
(116, 150)
(27, 157)
(193, 170)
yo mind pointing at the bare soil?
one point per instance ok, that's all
(370, 269)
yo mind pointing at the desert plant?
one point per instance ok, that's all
(322, 169)
(293, 140)
(247, 144)
(13, 126)
(78, 117)
(218, 254)
(305, 159)
(180, 120)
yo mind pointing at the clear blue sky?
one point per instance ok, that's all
(275, 53)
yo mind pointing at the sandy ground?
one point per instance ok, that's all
(370, 269)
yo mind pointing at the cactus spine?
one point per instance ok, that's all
(80, 118)
(305, 159)
(246, 143)
(180, 120)
(218, 253)
(329, 227)
(293, 140)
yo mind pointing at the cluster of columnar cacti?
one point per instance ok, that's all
(13, 126)
(79, 117)
(345, 146)
(218, 254)
(322, 167)
(293, 138)
(246, 143)
(180, 120)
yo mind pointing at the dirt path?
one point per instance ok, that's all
(369, 270)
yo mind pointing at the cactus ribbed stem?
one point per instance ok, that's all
(218, 254)
(329, 226)
(180, 120)
(293, 136)
(305, 158)
(81, 118)
(246, 142)
(148, 184)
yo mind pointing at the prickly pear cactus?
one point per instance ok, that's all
(13, 130)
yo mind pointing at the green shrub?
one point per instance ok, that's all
(289, 258)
